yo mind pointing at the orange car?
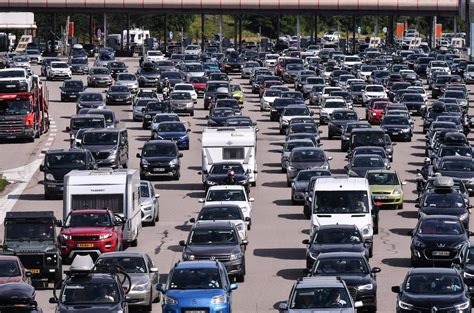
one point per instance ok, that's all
(13, 271)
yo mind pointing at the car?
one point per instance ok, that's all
(152, 108)
(319, 294)
(192, 285)
(374, 111)
(328, 106)
(168, 79)
(373, 92)
(149, 204)
(361, 163)
(212, 88)
(154, 56)
(218, 175)
(143, 276)
(162, 117)
(237, 93)
(46, 62)
(90, 100)
(118, 94)
(346, 133)
(18, 297)
(70, 89)
(79, 66)
(224, 212)
(57, 69)
(301, 182)
(22, 61)
(218, 239)
(353, 268)
(199, 84)
(116, 67)
(305, 128)
(160, 158)
(437, 239)
(181, 102)
(90, 232)
(456, 166)
(108, 145)
(218, 116)
(148, 75)
(289, 146)
(99, 76)
(304, 158)
(186, 87)
(139, 107)
(426, 288)
(397, 126)
(173, 131)
(386, 188)
(338, 119)
(12, 271)
(290, 112)
(129, 80)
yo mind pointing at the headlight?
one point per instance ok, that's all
(190, 104)
(242, 182)
(147, 116)
(374, 114)
(367, 230)
(397, 191)
(188, 256)
(366, 287)
(464, 216)
(462, 306)
(291, 168)
(405, 130)
(235, 256)
(169, 300)
(468, 275)
(325, 166)
(51, 259)
(418, 244)
(147, 208)
(142, 287)
(459, 246)
(105, 236)
(49, 176)
(240, 227)
(173, 162)
(66, 237)
(404, 306)
(212, 183)
(244, 209)
(219, 300)
(145, 162)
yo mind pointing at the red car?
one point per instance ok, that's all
(12, 270)
(90, 232)
(267, 84)
(199, 84)
(374, 111)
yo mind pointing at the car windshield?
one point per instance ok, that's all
(294, 67)
(412, 98)
(91, 97)
(68, 160)
(368, 138)
(337, 202)
(9, 268)
(158, 150)
(171, 127)
(456, 151)
(367, 161)
(78, 123)
(309, 155)
(127, 77)
(195, 68)
(100, 71)
(239, 122)
(170, 75)
(131, 265)
(334, 104)
(180, 96)
(14, 107)
(117, 65)
(344, 115)
(451, 200)
(100, 138)
(89, 293)
(144, 191)
(457, 165)
(117, 88)
(88, 220)
(385, 179)
(213, 237)
(29, 231)
(218, 112)
(73, 84)
(212, 87)
(165, 118)
(304, 128)
(434, 283)
(395, 120)
(342, 266)
(226, 195)
(440, 227)
(292, 95)
(296, 111)
(290, 145)
(198, 80)
(183, 87)
(320, 298)
(195, 278)
(11, 74)
(155, 53)
(224, 168)
(380, 105)
(221, 213)
(337, 236)
(374, 89)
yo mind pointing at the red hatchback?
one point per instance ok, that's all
(374, 111)
(90, 232)
(199, 84)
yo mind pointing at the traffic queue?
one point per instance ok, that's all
(106, 204)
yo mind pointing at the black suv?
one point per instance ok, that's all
(160, 158)
(218, 175)
(71, 89)
(58, 163)
(32, 237)
(219, 240)
(108, 145)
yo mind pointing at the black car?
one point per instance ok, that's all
(212, 88)
(71, 89)
(79, 66)
(90, 100)
(354, 269)
(338, 119)
(116, 67)
(18, 298)
(278, 106)
(218, 175)
(437, 239)
(58, 163)
(219, 239)
(432, 290)
(413, 101)
(346, 133)
(465, 264)
(335, 238)
(231, 64)
(152, 108)
(169, 79)
(148, 75)
(219, 116)
(299, 185)
(397, 127)
(457, 166)
(160, 158)
(117, 94)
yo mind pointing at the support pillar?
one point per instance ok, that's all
(298, 31)
(128, 31)
(165, 33)
(435, 20)
(312, 31)
(316, 22)
(105, 29)
(278, 26)
(376, 28)
(353, 34)
(235, 32)
(390, 31)
(240, 33)
(202, 32)
(220, 33)
(455, 24)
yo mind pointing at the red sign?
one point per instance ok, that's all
(71, 29)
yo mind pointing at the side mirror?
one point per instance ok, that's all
(358, 304)
(182, 243)
(160, 287)
(470, 234)
(417, 205)
(283, 306)
(68, 129)
(201, 200)
(153, 270)
(396, 289)
(245, 242)
(28, 274)
(330, 158)
(376, 270)
(138, 155)
(410, 233)
(305, 242)
(233, 286)
(248, 219)
(192, 220)
(41, 168)
(404, 183)
(180, 155)
(251, 199)
(53, 300)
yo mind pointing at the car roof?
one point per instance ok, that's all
(196, 264)
(122, 254)
(430, 270)
(337, 226)
(341, 254)
(226, 187)
(319, 281)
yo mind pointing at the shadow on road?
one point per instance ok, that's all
(290, 273)
(292, 216)
(175, 248)
(401, 231)
(408, 214)
(281, 253)
(283, 202)
(275, 184)
(397, 262)
(189, 186)
(272, 171)
(27, 197)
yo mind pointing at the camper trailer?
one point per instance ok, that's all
(116, 190)
(236, 144)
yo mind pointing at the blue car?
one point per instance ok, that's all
(174, 131)
(197, 285)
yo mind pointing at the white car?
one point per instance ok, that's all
(267, 99)
(420, 90)
(373, 92)
(270, 60)
(58, 70)
(331, 36)
(193, 49)
(327, 91)
(189, 88)
(154, 56)
(229, 213)
(291, 112)
(13, 75)
(365, 71)
(328, 106)
(230, 194)
(439, 65)
(350, 60)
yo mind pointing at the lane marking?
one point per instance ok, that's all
(51, 138)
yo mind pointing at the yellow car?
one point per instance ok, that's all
(237, 93)
(386, 188)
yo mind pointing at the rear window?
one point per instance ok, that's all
(233, 153)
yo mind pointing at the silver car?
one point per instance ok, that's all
(143, 275)
(129, 80)
(289, 146)
(149, 204)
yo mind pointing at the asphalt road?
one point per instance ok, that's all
(275, 256)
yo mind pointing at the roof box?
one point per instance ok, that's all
(443, 182)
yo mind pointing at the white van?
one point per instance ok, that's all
(236, 144)
(116, 190)
(344, 200)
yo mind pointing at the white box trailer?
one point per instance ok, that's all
(116, 190)
(236, 144)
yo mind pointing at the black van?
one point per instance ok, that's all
(108, 145)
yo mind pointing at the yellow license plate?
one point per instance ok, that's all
(85, 245)
(34, 271)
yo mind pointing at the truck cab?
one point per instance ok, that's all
(32, 237)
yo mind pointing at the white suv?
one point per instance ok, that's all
(58, 70)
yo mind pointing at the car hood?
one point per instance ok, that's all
(429, 300)
(199, 297)
(341, 122)
(443, 211)
(457, 174)
(91, 103)
(171, 134)
(195, 74)
(6, 280)
(139, 278)
(184, 101)
(300, 185)
(72, 89)
(395, 126)
(329, 310)
(447, 240)
(100, 76)
(90, 308)
(212, 249)
(356, 280)
(382, 188)
(307, 165)
(160, 159)
(361, 171)
(99, 148)
(86, 231)
(126, 82)
(325, 248)
(31, 246)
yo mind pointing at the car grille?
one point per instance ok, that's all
(450, 255)
(32, 260)
(161, 164)
(85, 238)
(11, 126)
(101, 155)
(220, 258)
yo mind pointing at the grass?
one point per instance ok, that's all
(3, 183)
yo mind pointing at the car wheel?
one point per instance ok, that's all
(191, 113)
(414, 263)
(177, 176)
(400, 207)
(152, 223)
(371, 251)
(288, 183)
(330, 136)
(134, 242)
(240, 278)
(157, 217)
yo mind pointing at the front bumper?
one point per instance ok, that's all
(388, 199)
(426, 256)
(13, 132)
(140, 298)
(53, 187)
(69, 96)
(158, 171)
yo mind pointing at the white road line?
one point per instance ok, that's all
(48, 144)
(51, 138)
(53, 130)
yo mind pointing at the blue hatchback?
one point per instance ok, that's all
(197, 286)
(174, 131)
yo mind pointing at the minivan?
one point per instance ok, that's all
(108, 145)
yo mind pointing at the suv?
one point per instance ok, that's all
(109, 146)
(32, 237)
(197, 285)
(58, 163)
(90, 232)
(320, 294)
(160, 158)
(219, 240)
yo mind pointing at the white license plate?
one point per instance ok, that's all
(381, 197)
(119, 99)
(195, 311)
(395, 134)
(72, 96)
(159, 169)
(440, 253)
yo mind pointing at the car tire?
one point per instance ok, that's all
(134, 242)
(47, 196)
(157, 217)
(288, 183)
(330, 136)
(400, 207)
(177, 176)
(414, 263)
(240, 278)
(191, 113)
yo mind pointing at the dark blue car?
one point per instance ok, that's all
(174, 131)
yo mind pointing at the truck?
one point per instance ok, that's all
(23, 109)
(31, 235)
(115, 190)
(237, 144)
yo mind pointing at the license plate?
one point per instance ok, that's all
(119, 99)
(159, 169)
(381, 197)
(85, 245)
(440, 253)
(195, 311)
(72, 96)
(395, 133)
(34, 270)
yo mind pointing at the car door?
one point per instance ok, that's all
(154, 277)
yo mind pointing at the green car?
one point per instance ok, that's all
(386, 188)
(237, 93)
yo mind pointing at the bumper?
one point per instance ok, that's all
(18, 133)
(422, 256)
(104, 83)
(167, 308)
(118, 101)
(60, 75)
(234, 267)
(148, 215)
(164, 171)
(53, 188)
(298, 196)
(69, 97)
(387, 200)
(182, 110)
(148, 83)
(140, 298)
(72, 248)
